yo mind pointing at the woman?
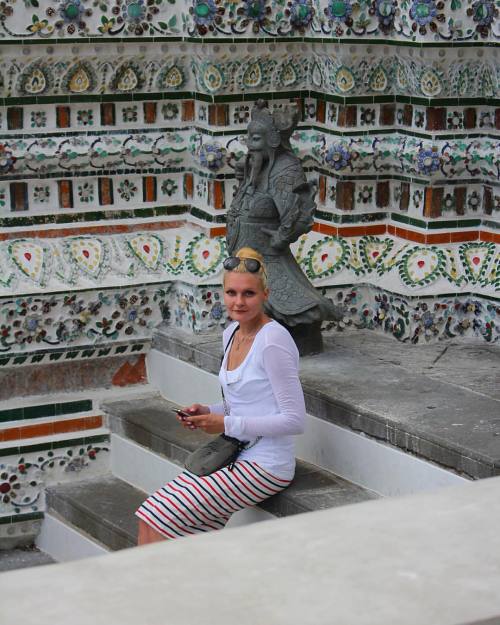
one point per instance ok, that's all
(264, 405)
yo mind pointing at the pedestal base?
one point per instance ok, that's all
(307, 337)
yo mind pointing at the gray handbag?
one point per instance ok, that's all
(219, 452)
(214, 455)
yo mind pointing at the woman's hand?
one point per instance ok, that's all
(209, 423)
(196, 409)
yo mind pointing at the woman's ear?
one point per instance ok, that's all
(266, 294)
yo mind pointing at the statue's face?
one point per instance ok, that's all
(256, 139)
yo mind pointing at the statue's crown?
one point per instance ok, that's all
(283, 120)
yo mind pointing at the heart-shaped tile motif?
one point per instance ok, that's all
(87, 253)
(421, 266)
(327, 256)
(374, 250)
(203, 255)
(148, 248)
(29, 258)
(476, 258)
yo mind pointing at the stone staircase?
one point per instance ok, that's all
(103, 508)
(357, 429)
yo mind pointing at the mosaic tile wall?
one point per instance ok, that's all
(122, 120)
(42, 445)
(120, 125)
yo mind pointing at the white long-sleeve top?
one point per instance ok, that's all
(264, 398)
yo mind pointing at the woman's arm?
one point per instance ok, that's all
(280, 365)
(216, 408)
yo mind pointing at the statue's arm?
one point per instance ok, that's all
(294, 201)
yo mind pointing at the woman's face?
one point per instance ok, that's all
(244, 296)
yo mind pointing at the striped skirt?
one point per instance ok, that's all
(190, 504)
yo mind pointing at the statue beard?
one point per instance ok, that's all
(257, 161)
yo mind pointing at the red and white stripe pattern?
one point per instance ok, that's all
(190, 504)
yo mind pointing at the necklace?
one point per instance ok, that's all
(239, 340)
(239, 343)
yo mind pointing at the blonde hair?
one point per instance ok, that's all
(248, 252)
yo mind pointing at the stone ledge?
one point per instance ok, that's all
(102, 507)
(151, 423)
(405, 560)
(420, 399)
(20, 558)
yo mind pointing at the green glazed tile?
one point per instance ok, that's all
(361, 100)
(9, 451)
(491, 224)
(67, 442)
(19, 360)
(23, 516)
(181, 95)
(53, 99)
(37, 412)
(27, 516)
(177, 210)
(139, 97)
(439, 225)
(419, 223)
(468, 223)
(222, 99)
(490, 298)
(25, 101)
(71, 407)
(100, 438)
(145, 212)
(26, 449)
(202, 97)
(408, 220)
(15, 414)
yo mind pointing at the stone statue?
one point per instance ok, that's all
(273, 206)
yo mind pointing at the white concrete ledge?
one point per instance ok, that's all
(384, 469)
(64, 542)
(428, 559)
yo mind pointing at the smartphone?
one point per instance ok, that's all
(181, 413)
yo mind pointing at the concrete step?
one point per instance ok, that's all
(23, 557)
(150, 422)
(419, 399)
(102, 507)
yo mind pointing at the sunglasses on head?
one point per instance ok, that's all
(251, 264)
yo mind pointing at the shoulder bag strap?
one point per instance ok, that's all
(226, 411)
